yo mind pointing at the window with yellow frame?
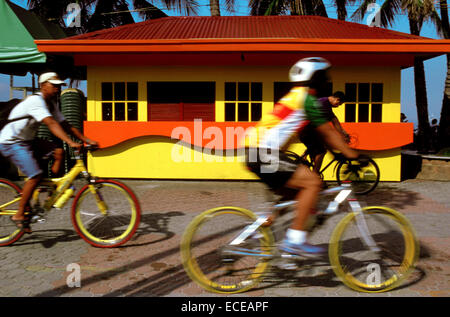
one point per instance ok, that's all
(243, 101)
(363, 102)
(119, 101)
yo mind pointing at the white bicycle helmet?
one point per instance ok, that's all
(304, 70)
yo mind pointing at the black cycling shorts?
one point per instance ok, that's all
(313, 141)
(274, 168)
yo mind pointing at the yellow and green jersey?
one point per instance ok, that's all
(277, 129)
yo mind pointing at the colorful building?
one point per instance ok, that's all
(168, 98)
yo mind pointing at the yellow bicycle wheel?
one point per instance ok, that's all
(9, 203)
(212, 263)
(374, 271)
(108, 216)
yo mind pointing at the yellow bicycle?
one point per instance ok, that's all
(105, 213)
(229, 250)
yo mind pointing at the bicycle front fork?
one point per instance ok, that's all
(362, 226)
(99, 199)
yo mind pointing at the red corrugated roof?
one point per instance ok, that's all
(243, 27)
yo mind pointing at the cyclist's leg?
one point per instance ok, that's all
(58, 155)
(22, 156)
(44, 149)
(27, 191)
(266, 165)
(308, 183)
(315, 146)
(298, 177)
(318, 159)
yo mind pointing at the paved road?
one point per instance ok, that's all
(149, 265)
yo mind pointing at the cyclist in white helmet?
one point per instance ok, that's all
(277, 130)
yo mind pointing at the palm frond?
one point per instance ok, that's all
(230, 5)
(359, 14)
(147, 11)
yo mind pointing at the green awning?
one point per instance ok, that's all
(16, 43)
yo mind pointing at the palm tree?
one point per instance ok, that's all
(101, 14)
(297, 7)
(418, 12)
(282, 7)
(214, 6)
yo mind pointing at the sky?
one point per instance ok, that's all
(435, 69)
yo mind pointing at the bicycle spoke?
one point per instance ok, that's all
(114, 226)
(364, 178)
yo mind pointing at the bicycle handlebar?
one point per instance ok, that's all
(91, 147)
(85, 148)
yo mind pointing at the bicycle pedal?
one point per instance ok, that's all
(38, 219)
(290, 256)
(286, 264)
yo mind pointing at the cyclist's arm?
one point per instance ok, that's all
(338, 127)
(77, 133)
(58, 131)
(335, 141)
(322, 124)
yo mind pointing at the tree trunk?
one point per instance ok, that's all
(215, 8)
(444, 122)
(341, 10)
(424, 133)
(424, 136)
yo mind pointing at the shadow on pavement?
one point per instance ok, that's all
(390, 196)
(48, 238)
(169, 281)
(166, 281)
(154, 223)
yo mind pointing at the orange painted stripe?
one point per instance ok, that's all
(226, 135)
(218, 135)
(380, 136)
(255, 45)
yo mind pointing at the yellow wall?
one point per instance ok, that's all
(390, 77)
(150, 157)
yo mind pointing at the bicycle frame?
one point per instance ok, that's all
(331, 162)
(345, 193)
(311, 164)
(61, 184)
(58, 186)
(354, 141)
